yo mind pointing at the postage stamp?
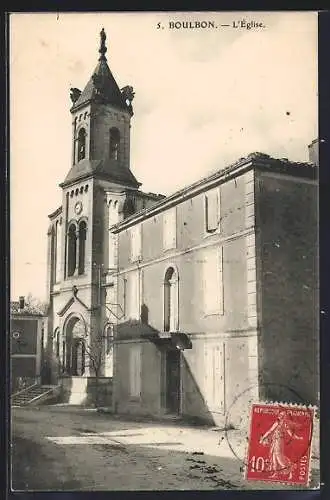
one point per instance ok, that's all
(279, 446)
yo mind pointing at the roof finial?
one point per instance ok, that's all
(102, 49)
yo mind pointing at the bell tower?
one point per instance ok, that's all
(98, 191)
(100, 164)
(101, 116)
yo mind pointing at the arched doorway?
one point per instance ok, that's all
(75, 349)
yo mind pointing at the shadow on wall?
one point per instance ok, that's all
(290, 309)
(194, 408)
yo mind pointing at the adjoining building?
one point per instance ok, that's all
(180, 304)
(28, 334)
(218, 284)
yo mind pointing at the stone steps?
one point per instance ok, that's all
(28, 396)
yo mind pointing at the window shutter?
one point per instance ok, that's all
(212, 210)
(169, 228)
(214, 379)
(134, 295)
(136, 242)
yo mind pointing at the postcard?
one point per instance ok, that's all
(164, 251)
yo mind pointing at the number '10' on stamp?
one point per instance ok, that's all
(279, 447)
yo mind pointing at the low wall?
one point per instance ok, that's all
(89, 391)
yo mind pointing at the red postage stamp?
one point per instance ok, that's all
(279, 446)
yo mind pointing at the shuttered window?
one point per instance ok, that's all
(214, 376)
(212, 210)
(133, 283)
(135, 370)
(169, 229)
(212, 281)
(136, 242)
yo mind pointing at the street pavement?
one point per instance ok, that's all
(72, 448)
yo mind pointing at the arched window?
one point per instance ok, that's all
(72, 248)
(82, 245)
(170, 300)
(114, 143)
(57, 343)
(81, 144)
(58, 239)
(55, 252)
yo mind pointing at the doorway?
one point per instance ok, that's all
(173, 381)
(78, 357)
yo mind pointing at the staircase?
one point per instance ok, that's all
(30, 395)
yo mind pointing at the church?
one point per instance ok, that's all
(190, 305)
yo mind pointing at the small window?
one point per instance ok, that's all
(212, 212)
(113, 212)
(114, 143)
(81, 144)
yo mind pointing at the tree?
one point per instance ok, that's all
(35, 305)
(100, 347)
(32, 305)
(96, 352)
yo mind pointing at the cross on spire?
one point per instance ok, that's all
(102, 49)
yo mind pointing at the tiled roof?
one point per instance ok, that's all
(104, 169)
(253, 160)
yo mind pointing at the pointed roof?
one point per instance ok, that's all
(102, 86)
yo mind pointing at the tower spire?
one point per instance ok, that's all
(103, 49)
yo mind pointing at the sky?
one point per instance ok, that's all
(203, 99)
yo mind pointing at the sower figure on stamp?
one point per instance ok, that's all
(275, 437)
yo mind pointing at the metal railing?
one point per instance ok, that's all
(41, 395)
(24, 390)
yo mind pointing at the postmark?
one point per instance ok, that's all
(279, 446)
(238, 428)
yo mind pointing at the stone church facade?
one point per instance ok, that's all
(98, 191)
(192, 304)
